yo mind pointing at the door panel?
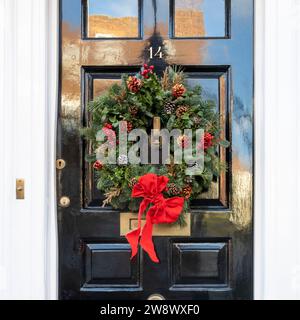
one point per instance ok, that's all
(200, 266)
(213, 41)
(101, 267)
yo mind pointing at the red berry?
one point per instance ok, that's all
(207, 141)
(129, 127)
(145, 73)
(98, 165)
(108, 126)
(151, 68)
(108, 132)
(208, 138)
(145, 66)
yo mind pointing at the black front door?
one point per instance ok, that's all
(213, 41)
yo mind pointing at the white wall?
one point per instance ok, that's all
(28, 83)
(27, 121)
(277, 193)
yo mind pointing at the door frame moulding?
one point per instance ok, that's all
(277, 174)
(28, 102)
(52, 276)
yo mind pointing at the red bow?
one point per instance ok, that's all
(150, 187)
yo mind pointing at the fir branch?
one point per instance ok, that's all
(113, 193)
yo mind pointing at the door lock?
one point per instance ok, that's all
(20, 189)
(60, 164)
(64, 202)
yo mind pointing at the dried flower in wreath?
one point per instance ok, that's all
(113, 193)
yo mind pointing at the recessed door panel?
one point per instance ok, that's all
(200, 265)
(104, 267)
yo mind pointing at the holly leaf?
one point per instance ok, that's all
(207, 158)
(149, 114)
(171, 122)
(224, 143)
(90, 158)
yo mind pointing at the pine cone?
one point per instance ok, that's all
(183, 141)
(123, 160)
(187, 192)
(188, 179)
(121, 97)
(129, 127)
(169, 107)
(132, 182)
(173, 189)
(178, 90)
(196, 120)
(133, 110)
(134, 84)
(181, 110)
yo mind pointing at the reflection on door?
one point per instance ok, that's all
(113, 19)
(213, 41)
(200, 18)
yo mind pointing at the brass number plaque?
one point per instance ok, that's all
(157, 53)
(129, 222)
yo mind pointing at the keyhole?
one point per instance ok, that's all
(64, 202)
(60, 164)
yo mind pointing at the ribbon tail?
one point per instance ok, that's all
(133, 239)
(134, 235)
(146, 241)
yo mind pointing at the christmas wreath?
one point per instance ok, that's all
(138, 99)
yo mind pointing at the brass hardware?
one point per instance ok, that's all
(156, 130)
(129, 222)
(158, 53)
(20, 189)
(60, 164)
(156, 296)
(64, 202)
(156, 123)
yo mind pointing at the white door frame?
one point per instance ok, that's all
(28, 107)
(28, 104)
(277, 149)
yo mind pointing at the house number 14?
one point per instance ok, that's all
(156, 53)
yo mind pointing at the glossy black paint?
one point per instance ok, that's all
(222, 235)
